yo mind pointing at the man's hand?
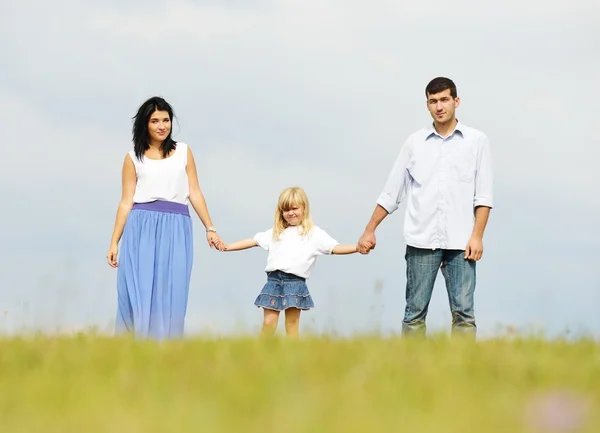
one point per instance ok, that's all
(474, 249)
(366, 242)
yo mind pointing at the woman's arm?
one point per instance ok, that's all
(344, 249)
(241, 245)
(199, 203)
(128, 183)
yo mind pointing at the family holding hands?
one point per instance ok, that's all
(443, 171)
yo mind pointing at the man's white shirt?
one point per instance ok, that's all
(443, 180)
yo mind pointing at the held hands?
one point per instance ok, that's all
(366, 243)
(214, 241)
(474, 249)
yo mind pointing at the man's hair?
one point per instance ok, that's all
(439, 84)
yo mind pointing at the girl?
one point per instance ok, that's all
(159, 180)
(293, 244)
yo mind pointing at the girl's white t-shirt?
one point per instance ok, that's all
(162, 179)
(294, 253)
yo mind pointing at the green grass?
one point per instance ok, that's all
(88, 384)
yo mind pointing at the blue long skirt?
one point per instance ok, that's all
(155, 266)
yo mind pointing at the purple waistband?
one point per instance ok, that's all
(163, 206)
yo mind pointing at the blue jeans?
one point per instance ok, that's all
(422, 266)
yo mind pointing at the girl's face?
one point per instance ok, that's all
(159, 126)
(294, 216)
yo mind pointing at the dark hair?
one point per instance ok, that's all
(141, 139)
(440, 84)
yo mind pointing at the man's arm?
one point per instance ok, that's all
(474, 249)
(367, 241)
(484, 176)
(392, 195)
(482, 213)
(482, 200)
(378, 216)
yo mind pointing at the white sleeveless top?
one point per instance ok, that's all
(162, 179)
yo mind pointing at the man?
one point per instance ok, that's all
(445, 173)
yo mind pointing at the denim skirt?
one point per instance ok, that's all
(283, 291)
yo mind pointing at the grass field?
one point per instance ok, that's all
(90, 384)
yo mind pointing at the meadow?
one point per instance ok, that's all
(90, 383)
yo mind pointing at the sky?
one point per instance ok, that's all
(315, 93)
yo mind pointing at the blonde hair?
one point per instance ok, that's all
(292, 197)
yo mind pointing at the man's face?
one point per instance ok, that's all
(442, 106)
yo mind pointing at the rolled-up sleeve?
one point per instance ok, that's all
(484, 176)
(398, 179)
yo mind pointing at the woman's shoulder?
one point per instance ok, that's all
(182, 149)
(131, 155)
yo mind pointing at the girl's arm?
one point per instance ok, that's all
(199, 203)
(128, 183)
(344, 249)
(241, 245)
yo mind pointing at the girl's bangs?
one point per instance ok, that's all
(291, 201)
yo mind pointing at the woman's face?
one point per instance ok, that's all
(159, 126)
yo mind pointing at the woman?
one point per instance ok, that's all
(159, 179)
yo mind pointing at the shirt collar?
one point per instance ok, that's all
(458, 128)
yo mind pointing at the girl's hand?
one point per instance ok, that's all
(112, 256)
(214, 241)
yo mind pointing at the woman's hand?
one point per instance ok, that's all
(214, 241)
(112, 255)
